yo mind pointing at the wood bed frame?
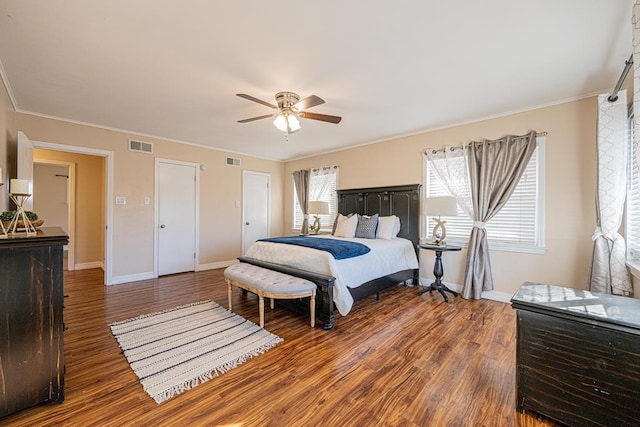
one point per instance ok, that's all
(400, 200)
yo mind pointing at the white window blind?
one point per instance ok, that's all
(519, 224)
(322, 186)
(632, 225)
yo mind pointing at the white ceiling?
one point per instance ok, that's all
(171, 68)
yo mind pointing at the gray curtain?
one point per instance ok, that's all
(301, 181)
(608, 269)
(495, 167)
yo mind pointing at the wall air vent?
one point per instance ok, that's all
(232, 161)
(143, 147)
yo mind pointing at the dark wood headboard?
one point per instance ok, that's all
(402, 201)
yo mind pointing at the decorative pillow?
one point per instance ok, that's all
(339, 218)
(396, 227)
(367, 226)
(386, 227)
(346, 227)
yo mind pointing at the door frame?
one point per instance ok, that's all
(156, 225)
(268, 207)
(71, 206)
(108, 195)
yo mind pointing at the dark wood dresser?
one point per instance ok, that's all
(31, 328)
(578, 356)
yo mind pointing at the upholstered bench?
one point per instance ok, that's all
(271, 284)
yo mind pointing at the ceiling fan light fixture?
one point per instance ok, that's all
(287, 122)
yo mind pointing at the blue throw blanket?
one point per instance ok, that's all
(340, 249)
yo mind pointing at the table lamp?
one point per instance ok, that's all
(440, 206)
(318, 208)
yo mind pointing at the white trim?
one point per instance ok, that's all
(634, 268)
(216, 265)
(127, 278)
(108, 155)
(490, 295)
(453, 125)
(498, 296)
(426, 281)
(156, 226)
(538, 248)
(144, 135)
(89, 265)
(71, 205)
(7, 86)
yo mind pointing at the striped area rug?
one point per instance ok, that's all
(175, 350)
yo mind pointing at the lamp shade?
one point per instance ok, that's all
(19, 186)
(441, 206)
(317, 207)
(287, 122)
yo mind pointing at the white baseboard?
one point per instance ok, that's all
(214, 265)
(490, 295)
(89, 265)
(497, 296)
(117, 280)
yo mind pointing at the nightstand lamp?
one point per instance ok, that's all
(318, 208)
(440, 206)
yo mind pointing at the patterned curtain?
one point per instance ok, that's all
(608, 271)
(450, 166)
(322, 183)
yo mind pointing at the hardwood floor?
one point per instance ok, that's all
(405, 360)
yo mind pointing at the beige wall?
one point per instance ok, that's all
(8, 138)
(89, 217)
(133, 223)
(570, 188)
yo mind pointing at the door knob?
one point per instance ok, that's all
(162, 226)
(246, 223)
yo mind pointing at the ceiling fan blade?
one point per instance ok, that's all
(321, 117)
(251, 98)
(255, 118)
(308, 102)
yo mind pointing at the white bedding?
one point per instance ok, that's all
(386, 256)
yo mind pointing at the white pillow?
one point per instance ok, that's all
(346, 227)
(387, 227)
(396, 227)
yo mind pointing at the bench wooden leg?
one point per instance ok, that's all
(261, 297)
(230, 293)
(312, 307)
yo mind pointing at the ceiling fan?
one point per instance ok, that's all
(289, 109)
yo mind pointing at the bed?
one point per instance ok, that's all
(338, 284)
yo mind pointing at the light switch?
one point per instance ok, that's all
(121, 200)
(147, 200)
(237, 204)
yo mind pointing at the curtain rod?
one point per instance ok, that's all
(614, 95)
(453, 147)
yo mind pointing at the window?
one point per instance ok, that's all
(632, 224)
(518, 227)
(322, 186)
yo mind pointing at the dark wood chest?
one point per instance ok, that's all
(578, 356)
(31, 328)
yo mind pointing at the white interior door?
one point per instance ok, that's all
(25, 165)
(177, 212)
(255, 207)
(54, 203)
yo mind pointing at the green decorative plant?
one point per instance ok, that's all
(9, 215)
